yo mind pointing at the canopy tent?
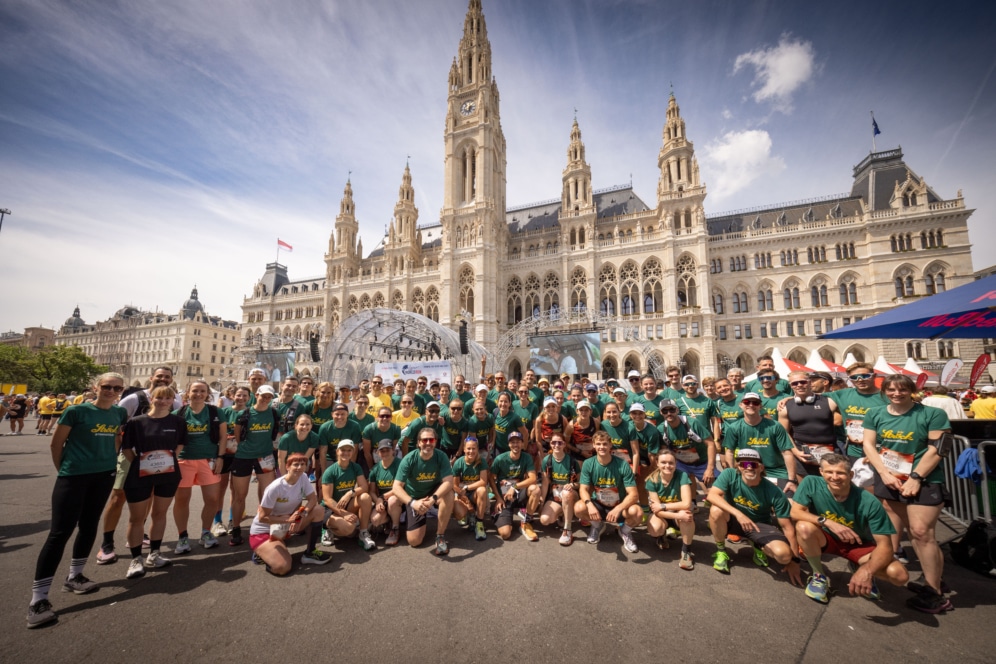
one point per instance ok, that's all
(817, 362)
(966, 312)
(884, 367)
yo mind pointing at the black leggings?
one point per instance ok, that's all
(77, 502)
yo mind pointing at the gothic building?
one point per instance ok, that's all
(666, 279)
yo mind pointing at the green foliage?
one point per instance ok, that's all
(55, 368)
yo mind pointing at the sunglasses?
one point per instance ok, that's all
(378, 382)
(750, 402)
(428, 440)
(861, 376)
(667, 410)
(113, 388)
(748, 465)
(386, 415)
(407, 403)
(556, 443)
(766, 378)
(694, 384)
(362, 403)
(798, 383)
(633, 380)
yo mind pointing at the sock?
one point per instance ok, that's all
(76, 567)
(108, 539)
(684, 548)
(816, 564)
(183, 535)
(721, 546)
(136, 551)
(204, 531)
(155, 545)
(314, 534)
(217, 516)
(625, 528)
(39, 589)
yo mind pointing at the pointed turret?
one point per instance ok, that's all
(680, 192)
(346, 227)
(577, 194)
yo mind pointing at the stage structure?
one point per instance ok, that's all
(389, 335)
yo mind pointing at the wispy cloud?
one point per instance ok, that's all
(779, 70)
(736, 160)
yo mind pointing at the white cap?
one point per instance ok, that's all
(266, 389)
(637, 406)
(480, 387)
(619, 390)
(689, 378)
(988, 389)
(633, 374)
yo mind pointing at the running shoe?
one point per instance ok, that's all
(256, 560)
(235, 539)
(228, 528)
(218, 529)
(626, 533)
(760, 557)
(479, 533)
(135, 569)
(462, 522)
(527, 531)
(595, 534)
(366, 541)
(721, 562)
(442, 547)
(900, 556)
(392, 537)
(41, 613)
(818, 588)
(662, 543)
(183, 546)
(316, 557)
(874, 594)
(921, 586)
(326, 537)
(686, 561)
(566, 538)
(106, 555)
(930, 602)
(735, 539)
(672, 533)
(155, 560)
(523, 515)
(208, 541)
(79, 585)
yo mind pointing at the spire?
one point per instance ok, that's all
(343, 238)
(405, 213)
(474, 58)
(677, 163)
(577, 195)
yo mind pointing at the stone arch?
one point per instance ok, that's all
(466, 280)
(745, 361)
(610, 366)
(514, 299)
(515, 369)
(828, 353)
(692, 361)
(860, 352)
(632, 361)
(579, 290)
(798, 355)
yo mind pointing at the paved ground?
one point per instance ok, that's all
(487, 601)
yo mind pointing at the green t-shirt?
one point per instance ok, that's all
(671, 491)
(527, 414)
(503, 425)
(568, 409)
(375, 435)
(383, 478)
(465, 396)
(686, 449)
(620, 435)
(700, 407)
(320, 416)
(649, 440)
(728, 411)
(507, 469)
(329, 437)
(421, 477)
(536, 394)
(756, 386)
(290, 444)
(672, 394)
(768, 438)
(199, 445)
(343, 480)
(902, 439)
(260, 435)
(480, 429)
(364, 421)
(757, 502)
(853, 407)
(769, 405)
(607, 483)
(468, 473)
(860, 511)
(411, 432)
(453, 433)
(90, 447)
(299, 404)
(560, 472)
(651, 408)
(489, 407)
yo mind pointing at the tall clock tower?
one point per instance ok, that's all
(475, 235)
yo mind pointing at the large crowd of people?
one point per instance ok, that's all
(769, 465)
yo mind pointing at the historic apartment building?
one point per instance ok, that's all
(134, 342)
(34, 338)
(703, 291)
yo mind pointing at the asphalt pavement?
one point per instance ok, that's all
(487, 601)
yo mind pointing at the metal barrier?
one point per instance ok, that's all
(986, 508)
(964, 502)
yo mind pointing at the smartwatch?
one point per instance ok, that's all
(916, 476)
(821, 520)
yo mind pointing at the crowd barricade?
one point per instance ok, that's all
(964, 494)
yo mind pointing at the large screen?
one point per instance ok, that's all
(277, 364)
(572, 354)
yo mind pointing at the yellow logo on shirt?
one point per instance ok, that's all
(839, 519)
(758, 442)
(605, 481)
(740, 500)
(897, 435)
(856, 410)
(260, 427)
(425, 477)
(345, 485)
(197, 428)
(104, 428)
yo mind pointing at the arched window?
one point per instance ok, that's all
(717, 303)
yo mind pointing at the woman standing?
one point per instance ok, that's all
(301, 440)
(900, 442)
(201, 463)
(669, 492)
(151, 443)
(240, 399)
(256, 430)
(582, 429)
(84, 452)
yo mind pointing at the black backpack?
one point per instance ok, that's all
(976, 550)
(243, 422)
(141, 395)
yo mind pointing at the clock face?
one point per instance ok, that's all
(468, 107)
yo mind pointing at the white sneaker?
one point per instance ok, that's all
(626, 533)
(366, 541)
(327, 539)
(219, 530)
(595, 534)
(135, 569)
(208, 541)
(182, 546)
(155, 560)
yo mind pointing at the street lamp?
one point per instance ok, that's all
(3, 211)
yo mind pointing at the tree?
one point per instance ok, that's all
(15, 364)
(62, 369)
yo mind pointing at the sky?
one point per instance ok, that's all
(150, 147)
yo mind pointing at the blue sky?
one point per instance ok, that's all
(149, 147)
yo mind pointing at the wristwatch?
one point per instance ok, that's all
(821, 520)
(587, 502)
(435, 499)
(916, 476)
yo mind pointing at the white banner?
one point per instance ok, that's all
(440, 370)
(950, 370)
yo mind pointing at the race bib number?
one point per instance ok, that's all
(622, 454)
(158, 462)
(820, 451)
(855, 431)
(897, 463)
(507, 485)
(687, 455)
(279, 531)
(558, 490)
(266, 463)
(231, 445)
(608, 496)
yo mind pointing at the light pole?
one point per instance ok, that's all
(3, 211)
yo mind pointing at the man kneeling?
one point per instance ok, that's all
(833, 516)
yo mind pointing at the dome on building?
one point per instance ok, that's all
(192, 305)
(74, 321)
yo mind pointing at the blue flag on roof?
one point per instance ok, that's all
(875, 129)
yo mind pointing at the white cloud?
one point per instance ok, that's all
(739, 158)
(779, 70)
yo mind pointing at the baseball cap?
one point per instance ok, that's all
(689, 379)
(988, 389)
(511, 435)
(480, 387)
(542, 380)
(821, 374)
(751, 395)
(584, 403)
(432, 404)
(591, 387)
(387, 443)
(667, 403)
(266, 389)
(633, 374)
(550, 400)
(340, 406)
(746, 454)
(345, 442)
(619, 390)
(637, 407)
(257, 370)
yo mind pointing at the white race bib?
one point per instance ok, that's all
(266, 463)
(855, 431)
(622, 454)
(820, 451)
(157, 462)
(897, 463)
(688, 455)
(231, 445)
(608, 496)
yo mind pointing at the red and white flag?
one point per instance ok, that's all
(283, 245)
